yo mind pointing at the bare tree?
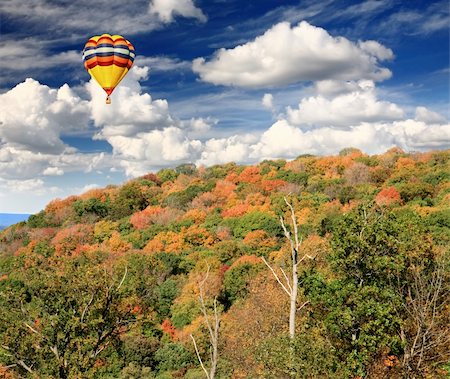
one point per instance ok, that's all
(427, 339)
(290, 286)
(213, 330)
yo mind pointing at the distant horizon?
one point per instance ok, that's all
(8, 219)
(29, 213)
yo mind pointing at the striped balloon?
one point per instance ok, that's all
(108, 58)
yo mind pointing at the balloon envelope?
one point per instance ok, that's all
(108, 58)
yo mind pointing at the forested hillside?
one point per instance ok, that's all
(192, 267)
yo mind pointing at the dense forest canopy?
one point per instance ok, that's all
(170, 274)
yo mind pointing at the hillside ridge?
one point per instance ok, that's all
(118, 279)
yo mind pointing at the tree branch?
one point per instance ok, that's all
(286, 278)
(20, 362)
(198, 356)
(277, 278)
(87, 306)
(123, 278)
(301, 306)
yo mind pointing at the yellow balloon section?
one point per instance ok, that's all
(108, 58)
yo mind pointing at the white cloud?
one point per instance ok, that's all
(55, 24)
(267, 101)
(53, 171)
(199, 126)
(288, 141)
(162, 63)
(83, 17)
(231, 149)
(166, 10)
(283, 140)
(331, 88)
(131, 111)
(31, 54)
(428, 116)
(25, 196)
(343, 110)
(157, 148)
(285, 55)
(24, 164)
(146, 136)
(434, 17)
(33, 116)
(418, 135)
(29, 185)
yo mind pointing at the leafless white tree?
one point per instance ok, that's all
(213, 330)
(290, 285)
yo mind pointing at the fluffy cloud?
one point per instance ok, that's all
(283, 140)
(345, 109)
(428, 116)
(285, 55)
(166, 10)
(34, 116)
(140, 154)
(24, 164)
(330, 88)
(145, 136)
(132, 111)
(141, 131)
(53, 171)
(231, 149)
(267, 101)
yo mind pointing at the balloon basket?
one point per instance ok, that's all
(108, 100)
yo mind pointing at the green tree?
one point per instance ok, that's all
(372, 255)
(57, 321)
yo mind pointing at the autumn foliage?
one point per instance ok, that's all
(106, 284)
(387, 197)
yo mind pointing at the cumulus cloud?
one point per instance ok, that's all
(132, 111)
(343, 110)
(34, 116)
(285, 55)
(24, 164)
(232, 149)
(169, 146)
(166, 10)
(53, 171)
(283, 140)
(428, 116)
(34, 120)
(330, 88)
(267, 101)
(145, 135)
(199, 128)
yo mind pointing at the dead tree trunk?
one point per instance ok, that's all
(290, 286)
(213, 331)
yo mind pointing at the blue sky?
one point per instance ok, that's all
(214, 81)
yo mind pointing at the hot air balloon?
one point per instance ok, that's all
(108, 58)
